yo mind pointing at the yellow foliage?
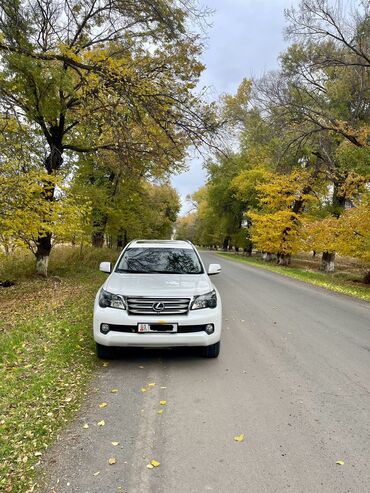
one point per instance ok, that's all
(278, 232)
(282, 191)
(353, 232)
(27, 214)
(278, 225)
(348, 235)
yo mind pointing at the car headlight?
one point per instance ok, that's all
(208, 300)
(111, 300)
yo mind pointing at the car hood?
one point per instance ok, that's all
(158, 285)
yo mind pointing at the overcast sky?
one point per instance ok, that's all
(245, 40)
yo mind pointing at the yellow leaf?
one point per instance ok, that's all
(101, 423)
(162, 403)
(340, 462)
(115, 444)
(239, 438)
(85, 426)
(160, 411)
(155, 463)
(112, 460)
(149, 466)
(114, 391)
(143, 389)
(103, 405)
(151, 384)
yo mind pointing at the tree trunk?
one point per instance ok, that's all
(42, 255)
(327, 262)
(284, 259)
(122, 239)
(366, 279)
(268, 257)
(52, 163)
(225, 245)
(99, 224)
(97, 239)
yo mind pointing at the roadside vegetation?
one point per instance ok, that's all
(98, 107)
(344, 282)
(47, 355)
(299, 180)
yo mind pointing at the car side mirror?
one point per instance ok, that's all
(105, 267)
(214, 269)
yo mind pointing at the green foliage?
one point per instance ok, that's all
(300, 178)
(112, 81)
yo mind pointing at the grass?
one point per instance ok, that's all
(47, 356)
(341, 282)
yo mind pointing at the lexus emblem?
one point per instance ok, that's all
(158, 307)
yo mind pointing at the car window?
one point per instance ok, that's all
(160, 260)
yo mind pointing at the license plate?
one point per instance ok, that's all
(143, 328)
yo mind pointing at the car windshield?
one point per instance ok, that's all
(160, 260)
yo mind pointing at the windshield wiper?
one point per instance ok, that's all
(170, 272)
(129, 271)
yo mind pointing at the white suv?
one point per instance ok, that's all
(158, 295)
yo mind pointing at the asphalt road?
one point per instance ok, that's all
(293, 376)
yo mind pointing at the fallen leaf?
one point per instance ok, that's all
(340, 462)
(115, 444)
(101, 423)
(103, 405)
(96, 473)
(143, 389)
(105, 364)
(163, 387)
(38, 454)
(162, 403)
(149, 466)
(240, 438)
(111, 461)
(85, 426)
(151, 384)
(141, 366)
(155, 463)
(160, 411)
(114, 391)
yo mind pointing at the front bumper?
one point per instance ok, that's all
(123, 339)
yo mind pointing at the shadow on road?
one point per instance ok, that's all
(154, 354)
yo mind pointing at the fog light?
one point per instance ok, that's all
(104, 328)
(210, 328)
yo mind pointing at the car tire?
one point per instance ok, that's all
(103, 352)
(212, 351)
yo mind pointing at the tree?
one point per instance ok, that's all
(329, 68)
(279, 225)
(353, 234)
(186, 227)
(79, 74)
(24, 213)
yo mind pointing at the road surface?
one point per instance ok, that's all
(293, 377)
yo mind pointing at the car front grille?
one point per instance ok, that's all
(157, 306)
